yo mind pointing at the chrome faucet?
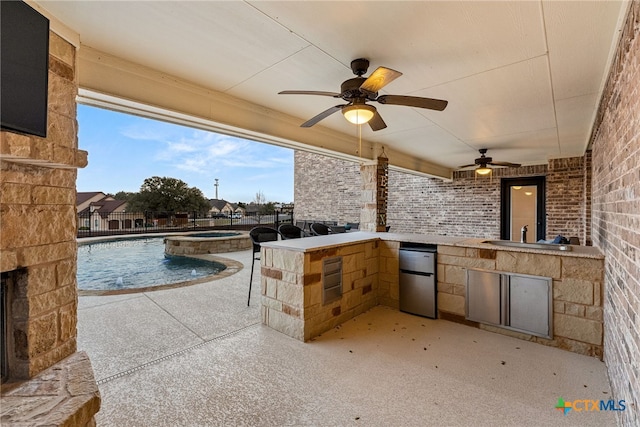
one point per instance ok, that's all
(523, 234)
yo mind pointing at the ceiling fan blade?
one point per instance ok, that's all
(508, 164)
(466, 166)
(381, 77)
(413, 101)
(376, 122)
(309, 92)
(326, 113)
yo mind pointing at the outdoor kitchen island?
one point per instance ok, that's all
(311, 285)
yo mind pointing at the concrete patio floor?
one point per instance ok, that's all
(198, 356)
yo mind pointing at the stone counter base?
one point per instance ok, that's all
(577, 292)
(292, 288)
(65, 394)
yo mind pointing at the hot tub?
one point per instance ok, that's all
(207, 243)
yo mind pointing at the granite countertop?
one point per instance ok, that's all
(310, 244)
(575, 252)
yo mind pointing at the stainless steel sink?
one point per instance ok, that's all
(541, 246)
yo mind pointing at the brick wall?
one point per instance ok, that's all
(566, 198)
(588, 193)
(616, 216)
(466, 207)
(326, 189)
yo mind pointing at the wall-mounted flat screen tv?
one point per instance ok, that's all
(24, 67)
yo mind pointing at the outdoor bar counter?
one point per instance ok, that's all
(292, 282)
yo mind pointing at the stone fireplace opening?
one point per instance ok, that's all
(10, 346)
(4, 368)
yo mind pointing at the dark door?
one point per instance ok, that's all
(523, 203)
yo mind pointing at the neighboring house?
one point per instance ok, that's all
(238, 210)
(97, 211)
(220, 207)
(252, 208)
(83, 200)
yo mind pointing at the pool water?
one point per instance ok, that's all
(136, 263)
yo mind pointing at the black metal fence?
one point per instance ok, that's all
(105, 224)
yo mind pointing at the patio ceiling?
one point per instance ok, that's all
(523, 78)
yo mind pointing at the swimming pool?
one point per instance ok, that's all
(136, 263)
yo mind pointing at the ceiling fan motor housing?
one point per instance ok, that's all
(350, 89)
(360, 66)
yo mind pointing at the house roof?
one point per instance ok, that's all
(219, 204)
(82, 197)
(105, 206)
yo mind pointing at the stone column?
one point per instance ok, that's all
(375, 190)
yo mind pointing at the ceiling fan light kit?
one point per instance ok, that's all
(483, 161)
(359, 90)
(358, 113)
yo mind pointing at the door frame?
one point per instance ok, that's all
(505, 204)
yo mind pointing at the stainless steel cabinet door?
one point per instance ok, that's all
(417, 294)
(483, 296)
(529, 304)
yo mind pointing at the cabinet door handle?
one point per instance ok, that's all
(505, 298)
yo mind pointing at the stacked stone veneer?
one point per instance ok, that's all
(616, 216)
(38, 246)
(292, 288)
(389, 274)
(468, 206)
(577, 291)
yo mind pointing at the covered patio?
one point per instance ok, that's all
(537, 83)
(198, 356)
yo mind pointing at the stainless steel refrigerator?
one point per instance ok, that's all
(418, 280)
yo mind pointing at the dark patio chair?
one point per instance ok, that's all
(318, 229)
(290, 231)
(259, 235)
(353, 225)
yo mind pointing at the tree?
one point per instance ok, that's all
(124, 195)
(262, 206)
(168, 194)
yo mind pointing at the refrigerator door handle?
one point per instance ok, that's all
(417, 273)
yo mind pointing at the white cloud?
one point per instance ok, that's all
(206, 152)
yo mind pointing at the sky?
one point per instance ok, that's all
(125, 149)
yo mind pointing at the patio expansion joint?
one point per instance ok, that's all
(173, 317)
(172, 355)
